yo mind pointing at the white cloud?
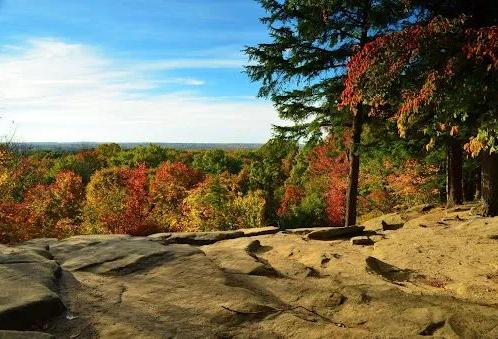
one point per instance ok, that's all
(58, 91)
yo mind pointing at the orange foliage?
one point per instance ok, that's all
(42, 208)
(172, 182)
(482, 45)
(329, 161)
(292, 196)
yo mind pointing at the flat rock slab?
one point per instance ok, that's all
(276, 286)
(332, 233)
(238, 256)
(195, 238)
(122, 256)
(65, 249)
(304, 230)
(14, 255)
(24, 300)
(252, 232)
(28, 281)
(45, 273)
(24, 335)
(42, 243)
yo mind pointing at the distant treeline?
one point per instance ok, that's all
(78, 146)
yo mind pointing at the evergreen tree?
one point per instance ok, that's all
(302, 69)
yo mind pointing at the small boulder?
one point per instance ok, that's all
(362, 240)
(331, 233)
(336, 299)
(391, 226)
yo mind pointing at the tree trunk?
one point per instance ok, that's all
(490, 183)
(354, 166)
(354, 169)
(478, 195)
(454, 178)
(469, 186)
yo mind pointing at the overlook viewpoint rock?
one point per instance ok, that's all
(420, 273)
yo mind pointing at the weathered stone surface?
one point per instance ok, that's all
(66, 248)
(387, 271)
(41, 243)
(304, 230)
(97, 237)
(37, 250)
(252, 232)
(195, 238)
(119, 256)
(24, 335)
(332, 233)
(238, 256)
(377, 224)
(421, 208)
(362, 240)
(160, 237)
(11, 255)
(32, 264)
(24, 299)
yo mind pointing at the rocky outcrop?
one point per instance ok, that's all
(335, 233)
(28, 287)
(206, 238)
(438, 280)
(195, 238)
(24, 335)
(326, 233)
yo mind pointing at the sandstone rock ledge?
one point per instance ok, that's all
(434, 274)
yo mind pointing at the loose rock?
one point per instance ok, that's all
(332, 233)
(362, 240)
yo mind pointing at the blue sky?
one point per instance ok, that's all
(130, 70)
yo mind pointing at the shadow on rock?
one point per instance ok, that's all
(387, 271)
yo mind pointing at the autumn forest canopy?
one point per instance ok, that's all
(392, 104)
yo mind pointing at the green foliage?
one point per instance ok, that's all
(302, 67)
(151, 156)
(216, 161)
(84, 163)
(270, 169)
(108, 150)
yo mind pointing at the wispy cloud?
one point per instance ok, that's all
(59, 91)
